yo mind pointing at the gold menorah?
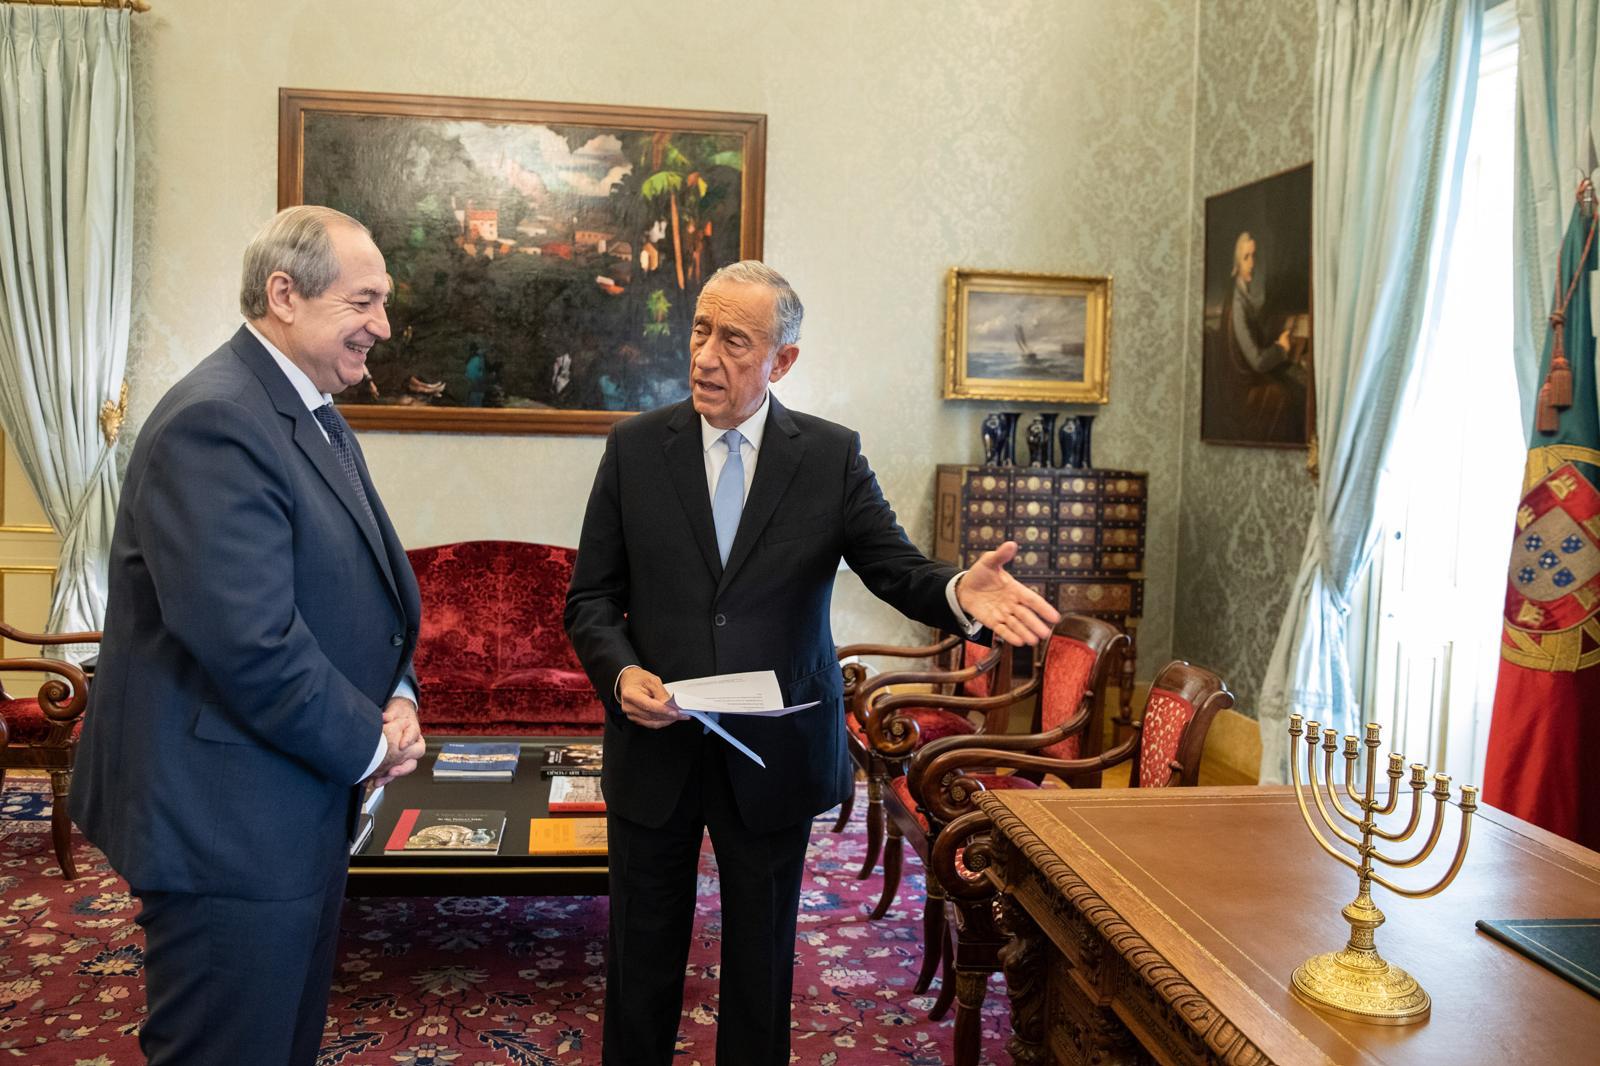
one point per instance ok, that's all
(1356, 982)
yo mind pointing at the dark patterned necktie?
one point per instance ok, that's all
(328, 419)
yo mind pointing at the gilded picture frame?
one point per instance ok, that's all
(1039, 338)
(545, 257)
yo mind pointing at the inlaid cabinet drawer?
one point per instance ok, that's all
(988, 510)
(1075, 559)
(1122, 537)
(1119, 597)
(1075, 536)
(1122, 511)
(1033, 483)
(1077, 510)
(1069, 484)
(1030, 509)
(1030, 534)
(1121, 560)
(986, 483)
(985, 534)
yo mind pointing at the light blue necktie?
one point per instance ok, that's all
(728, 500)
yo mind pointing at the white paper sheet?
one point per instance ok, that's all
(754, 693)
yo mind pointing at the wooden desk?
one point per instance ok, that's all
(1181, 913)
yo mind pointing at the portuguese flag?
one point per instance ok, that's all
(1544, 744)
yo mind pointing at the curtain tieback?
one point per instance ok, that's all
(113, 414)
(1556, 393)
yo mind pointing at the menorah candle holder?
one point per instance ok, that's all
(1357, 982)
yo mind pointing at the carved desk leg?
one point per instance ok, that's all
(1023, 960)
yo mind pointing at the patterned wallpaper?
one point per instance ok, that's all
(1245, 510)
(904, 138)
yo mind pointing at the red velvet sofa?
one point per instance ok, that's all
(493, 656)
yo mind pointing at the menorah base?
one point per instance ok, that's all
(1361, 986)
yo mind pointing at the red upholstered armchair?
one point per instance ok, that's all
(883, 729)
(1070, 669)
(493, 656)
(1165, 749)
(42, 733)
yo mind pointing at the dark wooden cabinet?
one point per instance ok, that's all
(1080, 537)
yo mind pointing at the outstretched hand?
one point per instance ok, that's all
(1015, 613)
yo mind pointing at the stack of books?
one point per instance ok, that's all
(476, 762)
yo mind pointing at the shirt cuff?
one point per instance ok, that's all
(964, 624)
(377, 759)
(406, 691)
(616, 686)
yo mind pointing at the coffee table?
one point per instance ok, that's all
(512, 872)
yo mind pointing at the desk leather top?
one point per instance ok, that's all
(1229, 887)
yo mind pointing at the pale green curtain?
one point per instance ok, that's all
(1394, 85)
(1558, 145)
(66, 239)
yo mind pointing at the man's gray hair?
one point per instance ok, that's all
(787, 311)
(295, 241)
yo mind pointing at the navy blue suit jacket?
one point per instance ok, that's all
(649, 589)
(256, 624)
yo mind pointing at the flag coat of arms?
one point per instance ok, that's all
(1543, 760)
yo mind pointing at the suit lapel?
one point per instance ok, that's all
(781, 451)
(686, 464)
(308, 437)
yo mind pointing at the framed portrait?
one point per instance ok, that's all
(1028, 337)
(1256, 379)
(545, 258)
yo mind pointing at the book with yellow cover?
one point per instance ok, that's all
(567, 836)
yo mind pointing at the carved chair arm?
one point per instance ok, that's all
(895, 735)
(971, 838)
(955, 789)
(855, 673)
(62, 698)
(920, 779)
(42, 640)
(926, 651)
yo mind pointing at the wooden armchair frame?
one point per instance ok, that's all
(863, 691)
(960, 854)
(1107, 644)
(62, 700)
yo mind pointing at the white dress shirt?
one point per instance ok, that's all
(314, 398)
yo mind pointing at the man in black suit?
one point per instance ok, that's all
(710, 545)
(255, 666)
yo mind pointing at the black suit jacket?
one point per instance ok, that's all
(256, 623)
(648, 589)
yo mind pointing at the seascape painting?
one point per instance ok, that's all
(1012, 336)
(544, 272)
(1032, 337)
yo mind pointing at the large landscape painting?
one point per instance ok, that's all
(545, 258)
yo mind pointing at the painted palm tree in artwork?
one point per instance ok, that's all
(681, 180)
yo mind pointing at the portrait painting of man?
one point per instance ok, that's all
(1257, 341)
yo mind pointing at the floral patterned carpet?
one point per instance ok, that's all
(466, 981)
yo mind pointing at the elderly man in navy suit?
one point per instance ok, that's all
(255, 667)
(710, 545)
